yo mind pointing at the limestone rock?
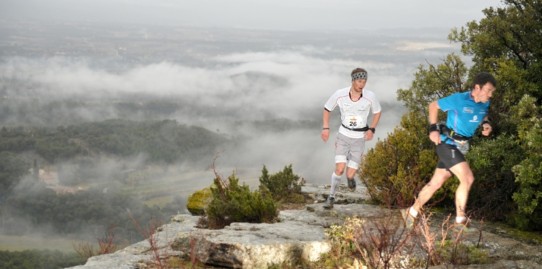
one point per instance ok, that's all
(255, 245)
(299, 235)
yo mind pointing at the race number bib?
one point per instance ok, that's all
(354, 121)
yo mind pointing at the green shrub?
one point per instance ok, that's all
(452, 252)
(343, 250)
(491, 161)
(398, 166)
(283, 186)
(528, 172)
(233, 202)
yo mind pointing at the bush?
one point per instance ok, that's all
(491, 161)
(343, 250)
(232, 202)
(397, 167)
(283, 186)
(528, 172)
(458, 253)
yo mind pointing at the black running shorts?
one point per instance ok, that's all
(448, 156)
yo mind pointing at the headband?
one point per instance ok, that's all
(359, 75)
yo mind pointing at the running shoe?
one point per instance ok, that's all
(352, 184)
(329, 203)
(409, 220)
(463, 227)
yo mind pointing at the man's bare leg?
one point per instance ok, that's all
(439, 177)
(463, 172)
(339, 168)
(336, 177)
(410, 214)
(351, 172)
(335, 181)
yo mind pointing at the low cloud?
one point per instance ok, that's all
(282, 84)
(238, 90)
(421, 46)
(238, 87)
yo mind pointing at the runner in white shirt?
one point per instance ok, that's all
(355, 104)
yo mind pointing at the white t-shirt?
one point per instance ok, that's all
(353, 114)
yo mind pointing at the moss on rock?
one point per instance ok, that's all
(198, 201)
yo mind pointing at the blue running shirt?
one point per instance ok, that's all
(464, 115)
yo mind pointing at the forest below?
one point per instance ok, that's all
(92, 203)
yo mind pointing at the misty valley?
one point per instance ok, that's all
(88, 177)
(104, 128)
(84, 179)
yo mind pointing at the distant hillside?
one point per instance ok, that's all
(161, 141)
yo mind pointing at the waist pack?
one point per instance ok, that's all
(461, 142)
(452, 134)
(366, 128)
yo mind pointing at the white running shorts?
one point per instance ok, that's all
(349, 150)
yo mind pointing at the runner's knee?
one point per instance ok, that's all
(468, 180)
(465, 176)
(350, 173)
(339, 169)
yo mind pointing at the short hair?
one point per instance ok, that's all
(358, 70)
(482, 78)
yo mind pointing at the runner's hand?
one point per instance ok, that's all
(369, 135)
(325, 135)
(435, 137)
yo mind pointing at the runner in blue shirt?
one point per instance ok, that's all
(466, 111)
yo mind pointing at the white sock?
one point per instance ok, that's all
(460, 219)
(413, 212)
(335, 180)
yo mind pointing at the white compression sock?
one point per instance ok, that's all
(335, 180)
(413, 212)
(460, 219)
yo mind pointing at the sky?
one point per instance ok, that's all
(303, 15)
